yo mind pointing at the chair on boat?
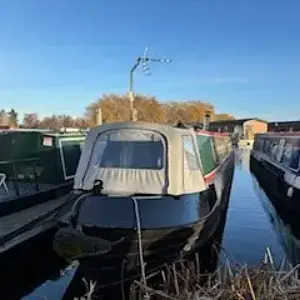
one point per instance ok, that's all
(3, 183)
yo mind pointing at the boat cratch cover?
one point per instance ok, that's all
(140, 158)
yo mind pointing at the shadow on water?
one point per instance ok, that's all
(286, 224)
(29, 266)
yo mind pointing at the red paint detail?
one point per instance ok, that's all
(208, 178)
(211, 133)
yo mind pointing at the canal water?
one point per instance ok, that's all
(252, 224)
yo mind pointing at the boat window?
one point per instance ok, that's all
(287, 154)
(274, 151)
(71, 151)
(190, 156)
(294, 163)
(220, 147)
(256, 144)
(205, 148)
(280, 150)
(129, 149)
(267, 147)
(261, 145)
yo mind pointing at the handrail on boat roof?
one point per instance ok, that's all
(6, 162)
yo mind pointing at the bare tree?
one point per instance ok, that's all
(31, 120)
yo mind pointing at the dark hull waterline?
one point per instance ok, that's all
(273, 178)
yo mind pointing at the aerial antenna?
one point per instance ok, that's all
(145, 59)
(145, 65)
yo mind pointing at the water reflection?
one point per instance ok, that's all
(25, 268)
(285, 224)
(248, 230)
(242, 158)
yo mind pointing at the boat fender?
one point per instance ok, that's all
(290, 192)
(72, 244)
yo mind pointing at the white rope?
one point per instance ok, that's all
(141, 254)
(76, 207)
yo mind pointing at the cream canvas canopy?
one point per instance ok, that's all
(140, 158)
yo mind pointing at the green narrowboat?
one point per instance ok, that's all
(36, 166)
(214, 148)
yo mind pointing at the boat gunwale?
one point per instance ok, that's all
(280, 133)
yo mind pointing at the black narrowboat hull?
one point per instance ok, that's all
(171, 227)
(285, 224)
(272, 177)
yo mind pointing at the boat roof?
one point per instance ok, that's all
(42, 131)
(173, 177)
(279, 134)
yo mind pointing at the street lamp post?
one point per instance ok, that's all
(144, 59)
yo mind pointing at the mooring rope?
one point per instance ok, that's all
(141, 254)
(76, 206)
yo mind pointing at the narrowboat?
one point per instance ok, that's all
(285, 224)
(36, 168)
(148, 194)
(275, 158)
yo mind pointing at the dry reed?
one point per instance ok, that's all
(183, 280)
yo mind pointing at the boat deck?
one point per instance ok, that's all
(25, 189)
(28, 222)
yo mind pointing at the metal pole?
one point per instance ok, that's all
(133, 111)
(206, 120)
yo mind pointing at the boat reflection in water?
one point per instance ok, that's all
(28, 266)
(285, 223)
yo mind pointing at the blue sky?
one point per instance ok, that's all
(57, 56)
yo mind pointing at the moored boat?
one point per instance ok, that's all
(285, 224)
(150, 193)
(275, 158)
(37, 168)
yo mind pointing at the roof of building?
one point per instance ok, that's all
(236, 122)
(297, 122)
